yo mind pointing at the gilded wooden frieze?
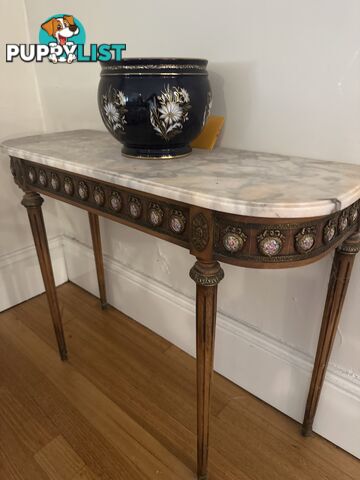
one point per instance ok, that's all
(158, 216)
(246, 242)
(237, 239)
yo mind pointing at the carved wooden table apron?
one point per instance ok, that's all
(212, 235)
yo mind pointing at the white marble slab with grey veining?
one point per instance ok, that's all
(232, 181)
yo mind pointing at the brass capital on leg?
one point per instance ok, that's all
(32, 200)
(351, 246)
(207, 275)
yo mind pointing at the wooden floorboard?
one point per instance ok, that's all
(123, 407)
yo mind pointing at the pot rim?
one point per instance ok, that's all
(156, 61)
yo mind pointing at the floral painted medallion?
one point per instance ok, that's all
(305, 240)
(329, 231)
(43, 178)
(134, 207)
(114, 109)
(68, 186)
(234, 239)
(270, 242)
(343, 222)
(156, 215)
(32, 175)
(177, 222)
(83, 191)
(115, 201)
(354, 213)
(55, 181)
(169, 111)
(99, 196)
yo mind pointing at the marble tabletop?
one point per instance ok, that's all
(232, 181)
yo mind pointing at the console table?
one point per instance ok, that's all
(249, 209)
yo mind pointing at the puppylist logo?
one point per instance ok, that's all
(62, 40)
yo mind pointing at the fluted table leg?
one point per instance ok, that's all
(339, 280)
(33, 201)
(96, 240)
(207, 276)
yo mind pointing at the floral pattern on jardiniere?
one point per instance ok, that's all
(114, 104)
(169, 111)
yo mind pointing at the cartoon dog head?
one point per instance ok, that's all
(61, 28)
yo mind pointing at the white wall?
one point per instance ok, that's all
(285, 75)
(20, 115)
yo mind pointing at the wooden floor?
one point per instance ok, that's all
(123, 407)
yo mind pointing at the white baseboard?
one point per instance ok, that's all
(274, 372)
(20, 276)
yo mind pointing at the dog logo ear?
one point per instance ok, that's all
(70, 19)
(49, 27)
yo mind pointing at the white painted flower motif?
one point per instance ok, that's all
(114, 103)
(169, 111)
(185, 95)
(121, 97)
(111, 112)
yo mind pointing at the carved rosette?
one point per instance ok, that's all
(115, 201)
(55, 181)
(199, 232)
(43, 180)
(305, 239)
(134, 207)
(31, 174)
(155, 214)
(234, 239)
(83, 190)
(17, 171)
(343, 221)
(207, 275)
(68, 186)
(270, 242)
(329, 231)
(99, 196)
(177, 222)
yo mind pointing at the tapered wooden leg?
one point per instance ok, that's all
(32, 201)
(207, 276)
(96, 240)
(339, 280)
